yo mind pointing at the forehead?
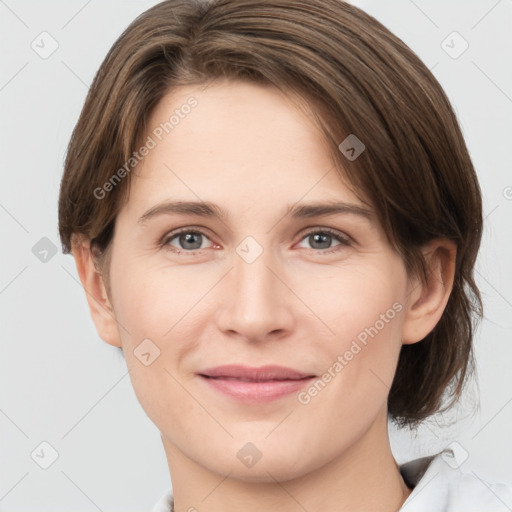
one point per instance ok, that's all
(228, 114)
(229, 139)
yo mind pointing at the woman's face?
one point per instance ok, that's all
(323, 294)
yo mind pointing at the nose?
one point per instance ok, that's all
(256, 300)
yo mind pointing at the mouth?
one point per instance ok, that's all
(255, 385)
(244, 379)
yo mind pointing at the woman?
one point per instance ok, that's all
(275, 217)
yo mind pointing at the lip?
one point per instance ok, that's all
(255, 385)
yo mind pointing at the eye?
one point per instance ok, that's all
(190, 240)
(322, 239)
(186, 240)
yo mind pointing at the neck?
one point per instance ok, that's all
(364, 477)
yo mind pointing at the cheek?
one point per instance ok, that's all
(363, 308)
(356, 301)
(359, 367)
(152, 301)
(158, 307)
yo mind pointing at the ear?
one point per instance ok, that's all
(427, 299)
(100, 307)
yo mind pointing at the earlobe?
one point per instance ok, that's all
(99, 303)
(427, 299)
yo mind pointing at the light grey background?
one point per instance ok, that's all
(60, 384)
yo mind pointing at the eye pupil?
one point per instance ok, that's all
(322, 238)
(190, 238)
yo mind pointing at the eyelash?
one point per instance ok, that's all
(342, 239)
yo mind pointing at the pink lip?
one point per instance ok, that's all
(254, 385)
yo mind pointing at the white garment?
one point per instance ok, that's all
(439, 486)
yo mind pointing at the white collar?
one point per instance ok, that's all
(441, 486)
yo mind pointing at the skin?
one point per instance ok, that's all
(250, 150)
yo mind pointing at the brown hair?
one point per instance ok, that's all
(358, 78)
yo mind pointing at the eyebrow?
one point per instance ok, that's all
(300, 211)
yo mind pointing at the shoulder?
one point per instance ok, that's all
(439, 484)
